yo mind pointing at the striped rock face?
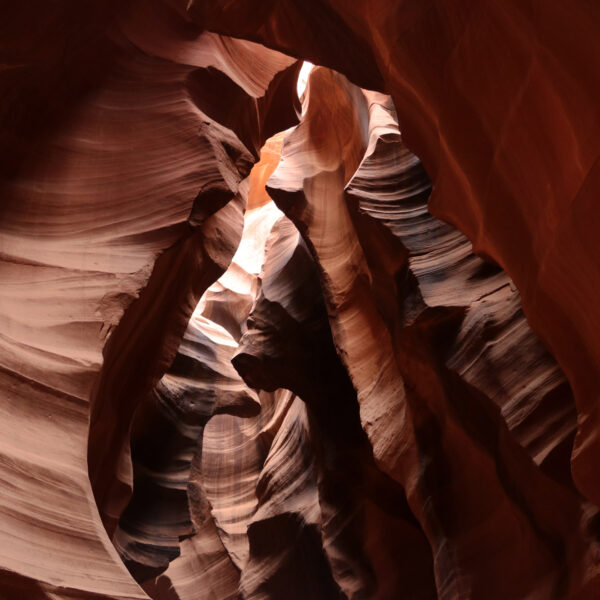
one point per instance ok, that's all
(299, 300)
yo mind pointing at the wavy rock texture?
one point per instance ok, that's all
(400, 327)
(334, 500)
(172, 511)
(120, 205)
(200, 382)
(499, 102)
(495, 350)
(384, 385)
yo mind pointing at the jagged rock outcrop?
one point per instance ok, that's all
(495, 350)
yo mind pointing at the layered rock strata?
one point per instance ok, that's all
(334, 495)
(120, 206)
(499, 102)
(390, 391)
(169, 510)
(400, 329)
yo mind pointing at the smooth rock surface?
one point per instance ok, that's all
(384, 384)
(120, 205)
(499, 102)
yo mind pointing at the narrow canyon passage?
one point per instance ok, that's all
(299, 301)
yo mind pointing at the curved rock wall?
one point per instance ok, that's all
(400, 326)
(499, 102)
(120, 205)
(359, 407)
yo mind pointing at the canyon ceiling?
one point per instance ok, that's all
(338, 346)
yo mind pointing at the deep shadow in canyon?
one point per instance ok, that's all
(257, 346)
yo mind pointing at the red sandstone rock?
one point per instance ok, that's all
(319, 483)
(116, 215)
(499, 102)
(408, 434)
(420, 417)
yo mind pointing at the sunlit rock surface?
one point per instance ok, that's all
(499, 102)
(469, 482)
(120, 206)
(384, 384)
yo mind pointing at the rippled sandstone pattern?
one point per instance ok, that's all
(499, 102)
(467, 480)
(359, 407)
(120, 206)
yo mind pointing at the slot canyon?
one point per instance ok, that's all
(300, 300)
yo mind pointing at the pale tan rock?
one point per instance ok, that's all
(115, 218)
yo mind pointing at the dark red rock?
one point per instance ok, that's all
(423, 331)
(467, 480)
(499, 102)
